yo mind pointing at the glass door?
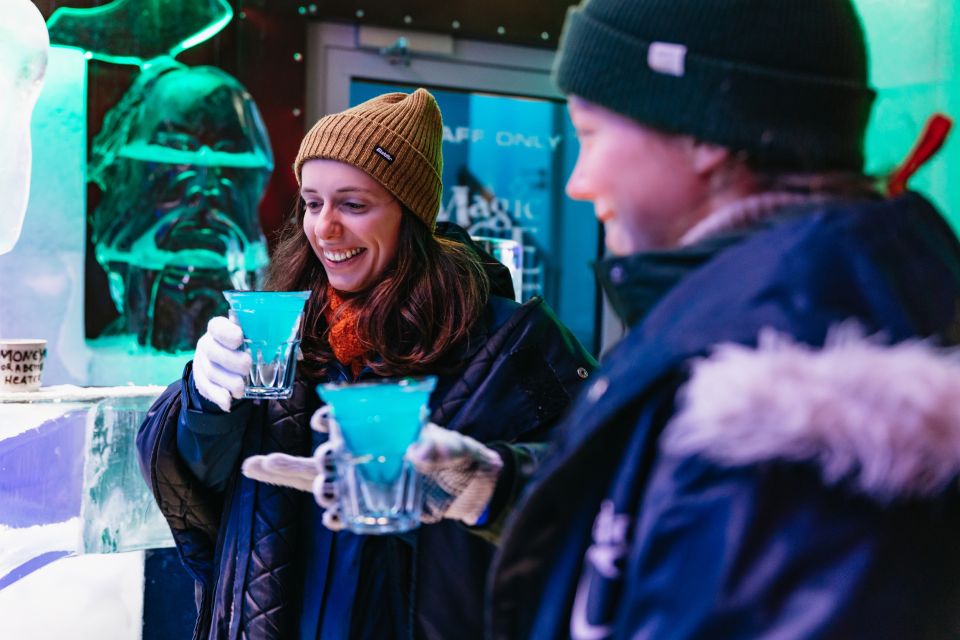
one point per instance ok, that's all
(508, 148)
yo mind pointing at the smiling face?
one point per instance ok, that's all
(645, 186)
(351, 221)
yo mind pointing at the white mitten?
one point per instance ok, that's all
(219, 369)
(325, 484)
(460, 474)
(316, 474)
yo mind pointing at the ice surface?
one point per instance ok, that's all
(41, 479)
(41, 469)
(23, 546)
(96, 597)
(119, 360)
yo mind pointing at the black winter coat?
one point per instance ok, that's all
(243, 547)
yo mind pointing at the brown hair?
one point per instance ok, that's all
(423, 307)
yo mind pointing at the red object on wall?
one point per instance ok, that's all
(932, 137)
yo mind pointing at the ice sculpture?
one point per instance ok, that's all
(70, 485)
(183, 160)
(24, 47)
(136, 31)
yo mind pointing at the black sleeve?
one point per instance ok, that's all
(209, 440)
(520, 464)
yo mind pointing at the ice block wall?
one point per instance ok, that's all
(41, 483)
(70, 481)
(41, 279)
(118, 512)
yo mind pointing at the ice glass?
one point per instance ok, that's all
(270, 321)
(379, 489)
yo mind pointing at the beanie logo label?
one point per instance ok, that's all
(667, 58)
(383, 153)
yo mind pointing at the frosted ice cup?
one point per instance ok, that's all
(270, 321)
(379, 490)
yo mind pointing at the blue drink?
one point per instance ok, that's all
(269, 320)
(379, 491)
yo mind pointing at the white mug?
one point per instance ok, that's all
(21, 364)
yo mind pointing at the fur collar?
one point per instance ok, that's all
(881, 418)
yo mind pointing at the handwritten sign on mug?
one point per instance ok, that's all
(21, 364)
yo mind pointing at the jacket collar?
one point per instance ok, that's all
(634, 284)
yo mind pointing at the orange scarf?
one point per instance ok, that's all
(343, 336)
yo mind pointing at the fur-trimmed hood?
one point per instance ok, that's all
(884, 419)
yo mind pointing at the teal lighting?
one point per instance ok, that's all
(137, 31)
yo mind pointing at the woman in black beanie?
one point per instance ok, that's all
(745, 463)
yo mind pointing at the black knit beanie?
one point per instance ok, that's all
(783, 80)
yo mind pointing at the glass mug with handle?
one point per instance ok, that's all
(378, 489)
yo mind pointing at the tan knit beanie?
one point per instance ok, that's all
(395, 138)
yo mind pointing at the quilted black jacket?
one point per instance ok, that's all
(242, 547)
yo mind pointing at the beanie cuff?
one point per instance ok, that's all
(362, 152)
(780, 119)
(395, 139)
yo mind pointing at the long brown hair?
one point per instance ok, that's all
(422, 309)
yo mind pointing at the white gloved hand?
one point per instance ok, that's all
(219, 369)
(316, 474)
(459, 473)
(325, 484)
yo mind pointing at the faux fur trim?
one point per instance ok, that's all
(884, 418)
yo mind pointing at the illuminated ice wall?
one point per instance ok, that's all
(41, 279)
(914, 57)
(136, 31)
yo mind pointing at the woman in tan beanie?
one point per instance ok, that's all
(394, 293)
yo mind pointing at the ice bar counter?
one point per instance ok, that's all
(70, 485)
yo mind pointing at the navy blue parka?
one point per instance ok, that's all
(618, 536)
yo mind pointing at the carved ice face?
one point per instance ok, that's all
(187, 178)
(24, 48)
(183, 162)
